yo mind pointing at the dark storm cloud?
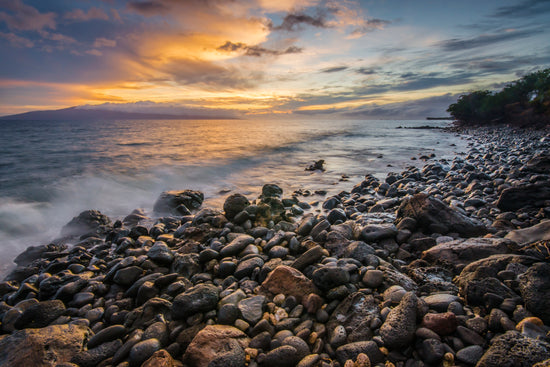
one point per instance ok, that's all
(334, 69)
(457, 44)
(256, 50)
(525, 8)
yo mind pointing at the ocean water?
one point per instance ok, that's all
(50, 171)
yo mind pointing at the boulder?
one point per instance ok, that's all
(539, 232)
(178, 202)
(534, 286)
(432, 215)
(400, 325)
(38, 252)
(514, 349)
(514, 198)
(480, 277)
(288, 281)
(234, 204)
(455, 255)
(89, 221)
(47, 346)
(217, 345)
(271, 191)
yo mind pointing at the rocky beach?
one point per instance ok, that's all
(444, 265)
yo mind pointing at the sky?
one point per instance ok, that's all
(260, 58)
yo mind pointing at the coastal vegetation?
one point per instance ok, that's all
(525, 101)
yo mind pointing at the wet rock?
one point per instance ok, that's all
(373, 278)
(178, 202)
(160, 253)
(515, 198)
(217, 345)
(271, 191)
(127, 276)
(252, 308)
(400, 325)
(89, 221)
(234, 204)
(37, 252)
(455, 255)
(441, 301)
(288, 281)
(470, 355)
(143, 350)
(375, 233)
(431, 351)
(42, 347)
(328, 277)
(237, 245)
(352, 351)
(284, 355)
(534, 286)
(92, 357)
(539, 232)
(514, 349)
(432, 215)
(106, 335)
(40, 314)
(201, 298)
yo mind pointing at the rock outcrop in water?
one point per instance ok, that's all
(425, 268)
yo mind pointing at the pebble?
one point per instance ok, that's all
(288, 275)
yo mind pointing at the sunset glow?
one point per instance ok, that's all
(254, 57)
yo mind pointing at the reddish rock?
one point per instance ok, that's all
(312, 302)
(441, 323)
(220, 343)
(161, 358)
(47, 346)
(288, 281)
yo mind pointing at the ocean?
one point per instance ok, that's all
(50, 171)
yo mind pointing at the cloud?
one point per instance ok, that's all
(94, 52)
(16, 40)
(148, 8)
(104, 42)
(365, 71)
(58, 37)
(256, 50)
(293, 22)
(435, 106)
(526, 8)
(83, 16)
(24, 17)
(456, 44)
(334, 69)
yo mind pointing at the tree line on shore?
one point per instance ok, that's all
(525, 101)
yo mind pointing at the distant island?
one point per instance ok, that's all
(79, 114)
(439, 118)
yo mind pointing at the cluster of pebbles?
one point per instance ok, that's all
(441, 266)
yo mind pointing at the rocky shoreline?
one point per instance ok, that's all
(440, 266)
